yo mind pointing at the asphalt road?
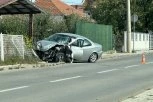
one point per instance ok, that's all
(105, 81)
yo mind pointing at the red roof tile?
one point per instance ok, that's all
(57, 7)
(17, 7)
(4, 2)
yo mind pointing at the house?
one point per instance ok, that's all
(82, 4)
(58, 8)
(77, 4)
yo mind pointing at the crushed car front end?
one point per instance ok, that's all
(54, 48)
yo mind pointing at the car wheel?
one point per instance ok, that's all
(93, 57)
(42, 57)
(59, 57)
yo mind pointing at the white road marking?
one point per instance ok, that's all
(131, 66)
(11, 89)
(65, 79)
(106, 71)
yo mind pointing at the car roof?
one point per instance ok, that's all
(73, 35)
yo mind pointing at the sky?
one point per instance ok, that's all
(71, 2)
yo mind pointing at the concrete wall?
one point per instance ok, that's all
(11, 45)
(139, 41)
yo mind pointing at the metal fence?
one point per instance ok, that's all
(151, 42)
(101, 34)
(11, 45)
(139, 41)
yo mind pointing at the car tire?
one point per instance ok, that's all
(68, 60)
(59, 57)
(93, 58)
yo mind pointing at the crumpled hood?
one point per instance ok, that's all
(44, 45)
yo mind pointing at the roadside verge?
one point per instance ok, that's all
(28, 66)
(44, 64)
(146, 96)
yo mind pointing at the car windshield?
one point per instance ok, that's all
(59, 38)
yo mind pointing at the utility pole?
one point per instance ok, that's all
(128, 27)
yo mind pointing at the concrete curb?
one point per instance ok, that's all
(117, 55)
(28, 66)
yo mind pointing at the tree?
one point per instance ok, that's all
(144, 10)
(46, 25)
(112, 12)
(71, 21)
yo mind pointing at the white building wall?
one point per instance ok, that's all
(139, 43)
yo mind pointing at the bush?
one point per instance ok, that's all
(16, 25)
(46, 25)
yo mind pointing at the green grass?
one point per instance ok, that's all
(18, 60)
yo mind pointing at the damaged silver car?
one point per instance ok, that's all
(68, 47)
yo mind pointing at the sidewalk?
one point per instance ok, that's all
(146, 96)
(108, 55)
(28, 66)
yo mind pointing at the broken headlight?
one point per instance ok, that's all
(39, 45)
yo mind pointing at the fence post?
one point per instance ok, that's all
(125, 41)
(23, 47)
(2, 47)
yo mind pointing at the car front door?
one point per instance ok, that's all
(77, 50)
(87, 49)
